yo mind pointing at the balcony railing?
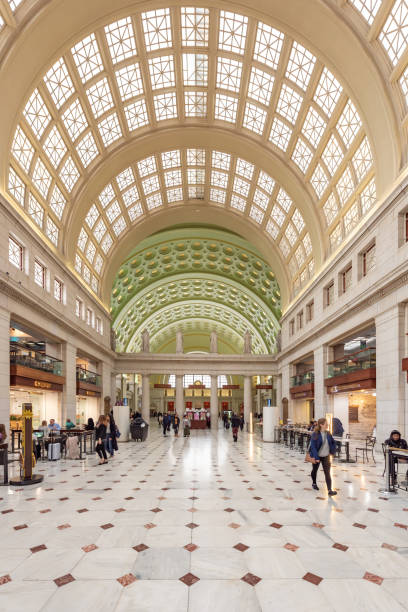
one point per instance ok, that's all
(90, 378)
(361, 360)
(35, 359)
(302, 379)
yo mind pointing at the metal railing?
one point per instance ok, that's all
(20, 355)
(88, 377)
(361, 360)
(302, 379)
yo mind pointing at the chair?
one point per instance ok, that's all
(369, 447)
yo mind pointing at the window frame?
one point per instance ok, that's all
(21, 248)
(59, 299)
(79, 308)
(38, 263)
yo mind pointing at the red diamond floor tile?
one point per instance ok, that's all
(251, 579)
(62, 580)
(309, 577)
(127, 579)
(373, 578)
(189, 579)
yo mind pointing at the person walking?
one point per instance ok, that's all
(186, 426)
(166, 418)
(90, 425)
(235, 423)
(241, 422)
(100, 437)
(176, 425)
(322, 446)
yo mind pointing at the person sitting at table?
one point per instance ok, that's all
(395, 441)
(312, 425)
(90, 425)
(69, 424)
(53, 426)
(44, 428)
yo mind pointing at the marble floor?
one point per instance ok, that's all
(202, 524)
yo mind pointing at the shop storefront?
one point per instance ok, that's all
(88, 395)
(46, 405)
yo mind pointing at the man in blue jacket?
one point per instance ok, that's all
(322, 446)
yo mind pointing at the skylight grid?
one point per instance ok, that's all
(161, 70)
(121, 40)
(109, 129)
(100, 97)
(125, 178)
(225, 108)
(302, 155)
(289, 103)
(254, 118)
(394, 35)
(16, 187)
(54, 146)
(194, 26)
(349, 123)
(313, 127)
(195, 103)
(280, 134)
(36, 113)
(367, 8)
(232, 32)
(41, 178)
(136, 115)
(157, 29)
(129, 81)
(228, 73)
(260, 86)
(22, 149)
(327, 92)
(268, 45)
(195, 69)
(59, 83)
(147, 166)
(74, 120)
(171, 159)
(165, 106)
(300, 66)
(87, 58)
(87, 149)
(130, 196)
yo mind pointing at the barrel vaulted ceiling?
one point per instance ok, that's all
(308, 109)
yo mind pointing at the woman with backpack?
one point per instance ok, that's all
(100, 437)
(322, 445)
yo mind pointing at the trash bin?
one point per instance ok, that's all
(139, 429)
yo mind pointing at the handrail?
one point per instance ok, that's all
(21, 355)
(89, 377)
(351, 355)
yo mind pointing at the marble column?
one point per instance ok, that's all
(214, 402)
(248, 402)
(146, 397)
(69, 393)
(320, 373)
(105, 370)
(278, 380)
(113, 389)
(391, 380)
(5, 368)
(285, 390)
(179, 395)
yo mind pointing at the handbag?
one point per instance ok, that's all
(117, 433)
(309, 458)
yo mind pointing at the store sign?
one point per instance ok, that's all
(195, 386)
(88, 393)
(366, 384)
(21, 381)
(162, 386)
(42, 385)
(258, 387)
(231, 386)
(189, 404)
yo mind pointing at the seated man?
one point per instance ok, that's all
(53, 426)
(69, 424)
(395, 441)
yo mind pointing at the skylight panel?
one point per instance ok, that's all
(113, 211)
(99, 231)
(57, 202)
(363, 159)
(129, 81)
(232, 32)
(171, 159)
(196, 176)
(195, 157)
(302, 155)
(16, 187)
(195, 69)
(284, 200)
(100, 97)
(125, 178)
(35, 210)
(238, 203)
(367, 8)
(130, 196)
(221, 160)
(172, 178)
(291, 234)
(55, 147)
(240, 186)
(106, 243)
(300, 256)
(147, 166)
(195, 103)
(313, 127)
(98, 263)
(404, 85)
(289, 103)
(119, 226)
(244, 168)
(272, 229)
(266, 182)
(161, 71)
(254, 118)
(219, 179)
(154, 201)
(368, 197)
(86, 274)
(280, 134)
(52, 231)
(268, 45)
(307, 244)
(106, 195)
(217, 195)
(260, 86)
(157, 29)
(300, 65)
(330, 209)
(225, 108)
(135, 212)
(78, 264)
(165, 106)
(41, 178)
(90, 252)
(14, 4)
(92, 216)
(151, 184)
(351, 218)
(260, 199)
(332, 155)
(284, 247)
(298, 221)
(109, 129)
(121, 40)
(74, 119)
(394, 35)
(228, 73)
(319, 181)
(349, 123)
(87, 58)
(345, 186)
(327, 92)
(278, 215)
(22, 149)
(256, 214)
(36, 113)
(59, 83)
(69, 174)
(194, 26)
(136, 115)
(87, 149)
(174, 195)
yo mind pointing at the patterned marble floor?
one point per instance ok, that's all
(202, 524)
